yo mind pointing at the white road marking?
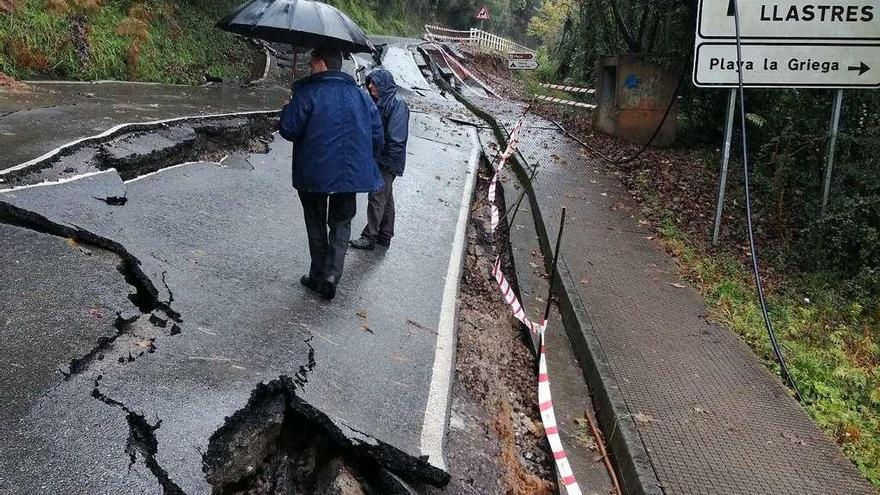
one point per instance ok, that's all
(166, 169)
(59, 181)
(434, 425)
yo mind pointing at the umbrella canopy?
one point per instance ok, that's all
(299, 23)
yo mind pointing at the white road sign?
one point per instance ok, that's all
(786, 65)
(789, 43)
(791, 19)
(530, 64)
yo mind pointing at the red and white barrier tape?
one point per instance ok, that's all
(548, 417)
(545, 399)
(570, 103)
(570, 89)
(510, 298)
(451, 60)
(512, 143)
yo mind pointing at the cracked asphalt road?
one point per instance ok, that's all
(223, 247)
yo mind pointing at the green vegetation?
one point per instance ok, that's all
(829, 340)
(176, 42)
(407, 17)
(393, 17)
(824, 271)
(153, 40)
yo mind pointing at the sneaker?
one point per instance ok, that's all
(363, 243)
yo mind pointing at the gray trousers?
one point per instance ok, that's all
(380, 212)
(328, 225)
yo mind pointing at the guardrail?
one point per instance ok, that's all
(476, 37)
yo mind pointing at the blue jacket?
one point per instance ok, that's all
(336, 133)
(395, 119)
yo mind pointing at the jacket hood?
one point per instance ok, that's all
(384, 80)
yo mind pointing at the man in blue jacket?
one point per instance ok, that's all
(392, 159)
(336, 133)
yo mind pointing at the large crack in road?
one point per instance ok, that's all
(141, 149)
(218, 243)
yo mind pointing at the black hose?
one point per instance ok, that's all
(754, 255)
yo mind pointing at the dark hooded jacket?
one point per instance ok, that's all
(336, 133)
(395, 120)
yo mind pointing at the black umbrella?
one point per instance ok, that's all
(299, 23)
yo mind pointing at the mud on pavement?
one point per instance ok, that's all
(496, 441)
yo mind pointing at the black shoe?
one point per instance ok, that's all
(310, 283)
(384, 243)
(363, 243)
(328, 291)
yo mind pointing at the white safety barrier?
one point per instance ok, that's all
(560, 101)
(545, 399)
(476, 37)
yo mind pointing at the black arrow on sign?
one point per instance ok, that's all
(862, 68)
(730, 9)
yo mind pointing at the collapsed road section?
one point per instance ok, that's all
(137, 149)
(210, 307)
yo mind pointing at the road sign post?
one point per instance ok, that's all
(725, 161)
(795, 44)
(521, 61)
(483, 15)
(832, 144)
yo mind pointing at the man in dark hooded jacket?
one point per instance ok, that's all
(336, 133)
(392, 160)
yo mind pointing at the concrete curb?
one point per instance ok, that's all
(631, 458)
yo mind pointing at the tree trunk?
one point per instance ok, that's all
(631, 43)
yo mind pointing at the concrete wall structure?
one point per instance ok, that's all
(632, 97)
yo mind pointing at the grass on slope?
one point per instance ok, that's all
(152, 40)
(830, 341)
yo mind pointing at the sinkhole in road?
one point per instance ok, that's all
(280, 444)
(140, 149)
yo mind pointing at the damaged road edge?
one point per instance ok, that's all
(145, 297)
(280, 442)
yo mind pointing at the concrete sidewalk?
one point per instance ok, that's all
(685, 404)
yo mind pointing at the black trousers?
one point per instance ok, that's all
(328, 225)
(380, 212)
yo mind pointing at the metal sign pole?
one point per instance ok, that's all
(725, 160)
(832, 144)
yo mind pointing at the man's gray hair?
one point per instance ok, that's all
(331, 57)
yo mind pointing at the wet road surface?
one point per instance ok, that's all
(110, 390)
